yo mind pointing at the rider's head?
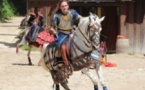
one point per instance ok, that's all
(64, 6)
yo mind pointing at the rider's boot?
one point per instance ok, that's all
(96, 87)
(105, 88)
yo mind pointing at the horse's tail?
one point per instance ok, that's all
(44, 57)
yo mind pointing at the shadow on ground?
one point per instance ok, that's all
(12, 45)
(23, 64)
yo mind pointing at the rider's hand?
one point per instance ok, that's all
(52, 30)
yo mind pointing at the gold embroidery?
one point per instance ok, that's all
(66, 18)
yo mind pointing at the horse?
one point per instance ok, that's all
(42, 40)
(75, 51)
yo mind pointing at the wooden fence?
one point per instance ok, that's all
(132, 20)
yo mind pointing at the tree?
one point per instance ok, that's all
(7, 9)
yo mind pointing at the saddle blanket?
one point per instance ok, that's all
(42, 38)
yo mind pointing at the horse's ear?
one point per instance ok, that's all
(101, 19)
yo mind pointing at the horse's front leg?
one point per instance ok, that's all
(64, 84)
(98, 69)
(23, 40)
(56, 87)
(28, 55)
(91, 76)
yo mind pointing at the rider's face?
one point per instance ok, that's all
(64, 7)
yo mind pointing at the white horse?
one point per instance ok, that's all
(95, 25)
(97, 66)
(24, 23)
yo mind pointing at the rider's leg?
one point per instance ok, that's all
(98, 69)
(64, 54)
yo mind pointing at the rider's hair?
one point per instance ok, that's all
(59, 4)
(36, 10)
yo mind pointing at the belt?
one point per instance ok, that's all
(65, 31)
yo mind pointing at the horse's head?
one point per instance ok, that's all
(90, 27)
(24, 21)
(95, 22)
(95, 27)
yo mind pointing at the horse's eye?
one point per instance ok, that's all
(94, 19)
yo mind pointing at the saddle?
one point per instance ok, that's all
(39, 37)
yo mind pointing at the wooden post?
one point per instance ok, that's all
(138, 30)
(27, 6)
(143, 33)
(123, 19)
(130, 27)
(99, 12)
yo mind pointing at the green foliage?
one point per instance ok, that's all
(7, 9)
(26, 48)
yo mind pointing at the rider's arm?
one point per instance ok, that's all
(31, 19)
(41, 21)
(55, 21)
(76, 17)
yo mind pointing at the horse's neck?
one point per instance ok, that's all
(83, 26)
(26, 20)
(84, 21)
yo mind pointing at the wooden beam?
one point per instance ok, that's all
(92, 4)
(99, 12)
(27, 6)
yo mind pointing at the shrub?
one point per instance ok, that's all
(7, 9)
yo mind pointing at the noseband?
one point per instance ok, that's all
(95, 28)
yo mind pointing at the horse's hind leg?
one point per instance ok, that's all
(28, 55)
(64, 84)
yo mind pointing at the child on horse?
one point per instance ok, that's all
(62, 23)
(35, 22)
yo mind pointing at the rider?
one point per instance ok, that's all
(62, 23)
(36, 23)
(36, 18)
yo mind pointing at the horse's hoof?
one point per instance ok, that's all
(30, 64)
(95, 87)
(105, 88)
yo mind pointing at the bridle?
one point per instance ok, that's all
(95, 27)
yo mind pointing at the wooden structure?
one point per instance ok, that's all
(125, 17)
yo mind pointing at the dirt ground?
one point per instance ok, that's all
(15, 74)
